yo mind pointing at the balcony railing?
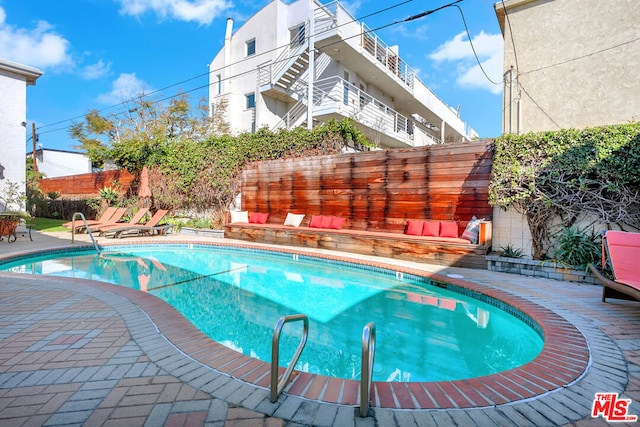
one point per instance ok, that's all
(375, 47)
(337, 94)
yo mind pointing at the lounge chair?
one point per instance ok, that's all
(148, 227)
(135, 219)
(116, 215)
(108, 213)
(622, 249)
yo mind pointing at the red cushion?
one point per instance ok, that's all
(254, 218)
(316, 220)
(448, 229)
(258, 218)
(326, 222)
(414, 228)
(431, 228)
(336, 222)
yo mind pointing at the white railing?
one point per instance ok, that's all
(271, 71)
(378, 49)
(335, 94)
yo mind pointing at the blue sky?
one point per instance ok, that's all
(97, 53)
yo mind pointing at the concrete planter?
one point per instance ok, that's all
(204, 232)
(548, 269)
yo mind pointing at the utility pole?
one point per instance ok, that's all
(34, 140)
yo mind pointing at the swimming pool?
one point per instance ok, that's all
(425, 332)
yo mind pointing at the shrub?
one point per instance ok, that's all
(511, 252)
(578, 247)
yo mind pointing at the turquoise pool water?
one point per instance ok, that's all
(424, 332)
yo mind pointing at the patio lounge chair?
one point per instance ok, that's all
(135, 219)
(108, 213)
(622, 249)
(148, 227)
(105, 219)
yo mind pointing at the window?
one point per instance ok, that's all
(251, 47)
(250, 100)
(297, 35)
(219, 81)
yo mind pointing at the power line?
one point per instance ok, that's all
(475, 54)
(208, 73)
(213, 71)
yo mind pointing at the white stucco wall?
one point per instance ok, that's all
(575, 61)
(55, 163)
(14, 79)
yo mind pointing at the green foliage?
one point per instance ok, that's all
(109, 194)
(567, 175)
(510, 251)
(577, 247)
(53, 195)
(12, 197)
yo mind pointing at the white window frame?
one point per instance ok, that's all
(250, 98)
(250, 47)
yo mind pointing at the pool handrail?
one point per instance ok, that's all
(278, 386)
(86, 226)
(366, 370)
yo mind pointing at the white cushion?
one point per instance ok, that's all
(294, 220)
(239, 216)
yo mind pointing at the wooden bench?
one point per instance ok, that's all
(434, 250)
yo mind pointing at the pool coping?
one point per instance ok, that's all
(564, 359)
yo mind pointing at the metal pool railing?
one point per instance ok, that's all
(73, 229)
(278, 386)
(366, 372)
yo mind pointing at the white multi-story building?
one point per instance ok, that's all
(14, 79)
(261, 76)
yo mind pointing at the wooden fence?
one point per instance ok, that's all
(87, 185)
(378, 190)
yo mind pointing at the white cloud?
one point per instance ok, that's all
(489, 49)
(124, 88)
(420, 32)
(39, 47)
(95, 71)
(200, 11)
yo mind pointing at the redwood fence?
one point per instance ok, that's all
(378, 190)
(87, 185)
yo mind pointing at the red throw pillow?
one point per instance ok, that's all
(448, 229)
(326, 222)
(316, 220)
(431, 228)
(258, 218)
(336, 222)
(414, 228)
(254, 218)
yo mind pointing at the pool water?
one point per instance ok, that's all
(236, 296)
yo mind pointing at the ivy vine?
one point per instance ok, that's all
(569, 175)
